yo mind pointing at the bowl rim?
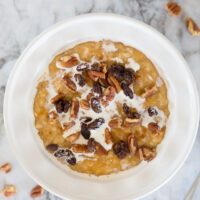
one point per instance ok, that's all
(104, 15)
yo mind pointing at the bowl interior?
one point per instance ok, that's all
(134, 183)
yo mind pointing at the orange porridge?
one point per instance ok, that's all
(102, 108)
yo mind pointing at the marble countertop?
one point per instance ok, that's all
(23, 20)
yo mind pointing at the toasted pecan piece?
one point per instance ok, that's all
(149, 91)
(68, 125)
(192, 27)
(52, 116)
(132, 144)
(173, 9)
(74, 109)
(108, 136)
(56, 98)
(153, 126)
(81, 148)
(36, 192)
(69, 83)
(73, 137)
(85, 104)
(129, 122)
(89, 96)
(113, 82)
(95, 75)
(149, 153)
(100, 150)
(139, 154)
(9, 190)
(6, 168)
(68, 61)
(115, 123)
(109, 94)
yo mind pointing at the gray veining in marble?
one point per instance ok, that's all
(22, 20)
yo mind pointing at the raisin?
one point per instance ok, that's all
(97, 89)
(79, 78)
(135, 115)
(86, 119)
(96, 123)
(61, 153)
(62, 105)
(52, 147)
(117, 71)
(127, 91)
(120, 149)
(129, 76)
(85, 131)
(129, 113)
(152, 111)
(91, 144)
(96, 67)
(103, 82)
(95, 104)
(70, 158)
(82, 67)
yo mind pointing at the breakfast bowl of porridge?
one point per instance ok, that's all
(93, 112)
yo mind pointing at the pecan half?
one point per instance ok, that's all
(113, 82)
(132, 144)
(192, 27)
(56, 98)
(115, 123)
(153, 126)
(68, 125)
(95, 75)
(73, 137)
(149, 91)
(69, 83)
(100, 150)
(36, 192)
(85, 104)
(9, 190)
(68, 61)
(129, 122)
(173, 9)
(74, 109)
(108, 136)
(81, 148)
(149, 153)
(6, 168)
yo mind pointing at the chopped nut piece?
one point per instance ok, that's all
(109, 93)
(89, 96)
(36, 192)
(81, 148)
(149, 153)
(85, 104)
(56, 98)
(149, 91)
(132, 144)
(52, 116)
(73, 137)
(129, 122)
(192, 27)
(6, 168)
(173, 9)
(74, 109)
(115, 123)
(139, 154)
(68, 125)
(69, 83)
(68, 61)
(9, 190)
(153, 126)
(95, 75)
(113, 82)
(108, 136)
(100, 150)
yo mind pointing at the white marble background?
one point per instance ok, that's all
(23, 20)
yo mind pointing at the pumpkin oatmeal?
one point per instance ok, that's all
(102, 108)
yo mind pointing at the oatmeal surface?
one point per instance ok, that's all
(102, 108)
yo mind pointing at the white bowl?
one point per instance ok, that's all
(131, 184)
